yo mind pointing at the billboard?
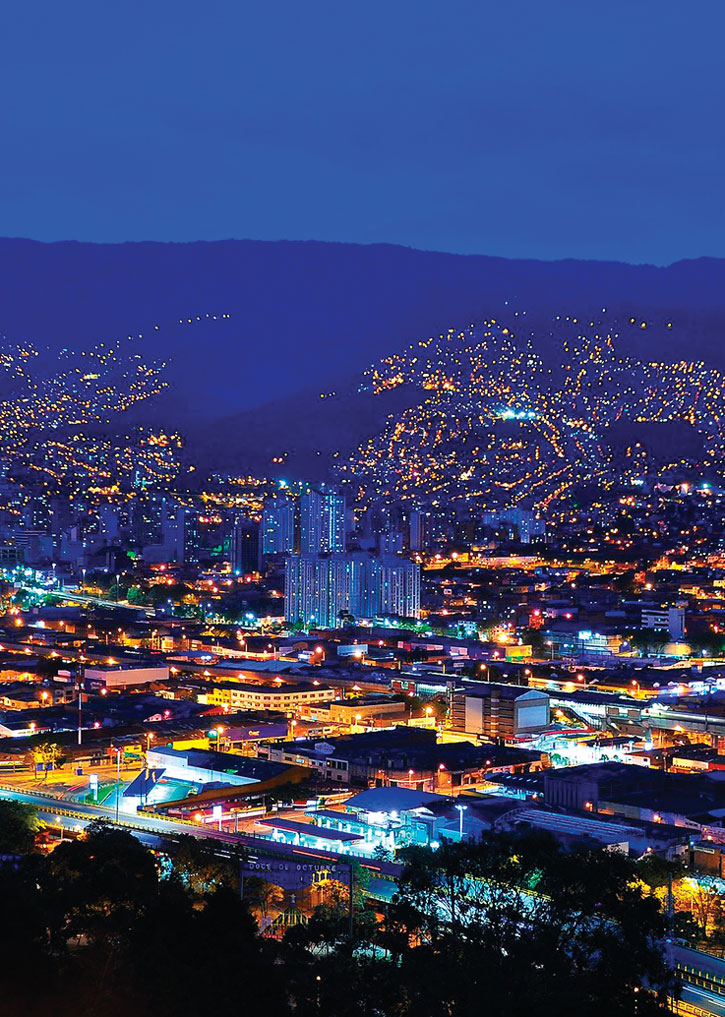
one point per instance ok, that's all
(291, 875)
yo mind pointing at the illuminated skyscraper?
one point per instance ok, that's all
(278, 526)
(244, 546)
(421, 530)
(321, 588)
(322, 522)
(399, 586)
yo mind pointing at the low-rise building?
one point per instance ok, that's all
(284, 698)
(499, 712)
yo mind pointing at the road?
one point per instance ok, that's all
(699, 1002)
(50, 807)
(76, 814)
(693, 966)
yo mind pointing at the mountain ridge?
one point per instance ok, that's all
(250, 326)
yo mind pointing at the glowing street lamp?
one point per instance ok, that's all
(461, 809)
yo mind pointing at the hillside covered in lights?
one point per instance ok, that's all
(501, 414)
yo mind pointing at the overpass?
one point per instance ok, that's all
(703, 981)
(74, 596)
(57, 811)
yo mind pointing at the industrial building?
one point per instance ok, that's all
(499, 712)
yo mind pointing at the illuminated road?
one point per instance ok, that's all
(73, 595)
(50, 807)
(74, 814)
(701, 1001)
(693, 966)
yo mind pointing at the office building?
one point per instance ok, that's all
(499, 712)
(670, 619)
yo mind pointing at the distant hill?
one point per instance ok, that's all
(274, 324)
(302, 314)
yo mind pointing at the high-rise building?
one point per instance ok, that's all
(192, 537)
(322, 522)
(390, 542)
(421, 530)
(161, 526)
(278, 526)
(363, 583)
(315, 589)
(321, 588)
(522, 522)
(108, 524)
(173, 532)
(244, 546)
(399, 586)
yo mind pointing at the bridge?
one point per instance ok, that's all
(703, 981)
(148, 827)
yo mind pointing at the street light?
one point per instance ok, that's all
(461, 809)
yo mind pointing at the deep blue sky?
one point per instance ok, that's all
(519, 128)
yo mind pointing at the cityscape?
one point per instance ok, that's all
(362, 512)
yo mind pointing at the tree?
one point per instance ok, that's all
(24, 941)
(535, 639)
(18, 827)
(656, 872)
(200, 869)
(648, 640)
(263, 898)
(50, 755)
(519, 920)
(700, 898)
(101, 884)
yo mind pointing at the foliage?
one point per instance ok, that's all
(519, 920)
(509, 926)
(100, 885)
(200, 869)
(535, 639)
(18, 826)
(648, 640)
(50, 754)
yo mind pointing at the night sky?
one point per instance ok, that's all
(521, 128)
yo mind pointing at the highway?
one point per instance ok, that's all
(57, 811)
(703, 981)
(73, 595)
(50, 807)
(700, 1003)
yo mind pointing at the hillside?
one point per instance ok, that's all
(302, 315)
(245, 337)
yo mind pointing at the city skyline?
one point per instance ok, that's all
(362, 580)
